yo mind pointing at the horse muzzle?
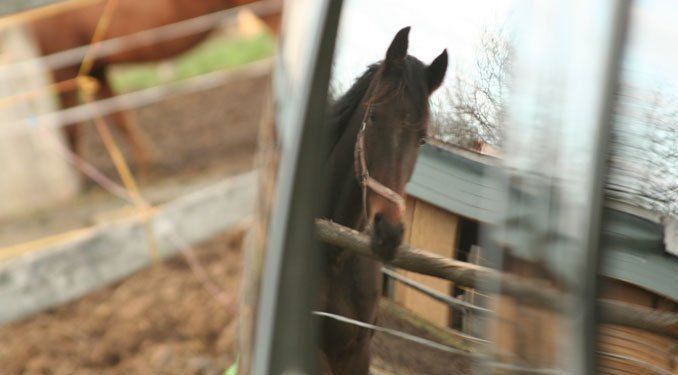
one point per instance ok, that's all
(385, 237)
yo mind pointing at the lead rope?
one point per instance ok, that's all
(89, 87)
(363, 173)
(361, 170)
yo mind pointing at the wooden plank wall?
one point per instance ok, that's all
(525, 334)
(532, 336)
(434, 229)
(659, 351)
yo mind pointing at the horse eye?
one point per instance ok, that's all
(373, 117)
(422, 141)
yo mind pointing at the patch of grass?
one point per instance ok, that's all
(213, 54)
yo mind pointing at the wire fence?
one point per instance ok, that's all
(145, 97)
(97, 110)
(108, 47)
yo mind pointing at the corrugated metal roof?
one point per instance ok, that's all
(455, 180)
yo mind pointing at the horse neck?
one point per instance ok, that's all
(345, 198)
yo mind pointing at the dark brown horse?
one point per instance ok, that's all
(367, 171)
(75, 28)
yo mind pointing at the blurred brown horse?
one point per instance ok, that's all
(75, 28)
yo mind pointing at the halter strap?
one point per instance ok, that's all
(363, 174)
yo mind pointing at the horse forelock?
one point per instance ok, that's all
(406, 81)
(409, 78)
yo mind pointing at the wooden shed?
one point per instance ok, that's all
(448, 201)
(445, 204)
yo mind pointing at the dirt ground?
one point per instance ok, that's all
(162, 320)
(395, 356)
(158, 321)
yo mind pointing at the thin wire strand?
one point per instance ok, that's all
(402, 335)
(200, 273)
(141, 98)
(452, 302)
(83, 166)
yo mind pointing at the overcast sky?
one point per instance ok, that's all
(367, 27)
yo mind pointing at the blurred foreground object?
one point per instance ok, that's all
(33, 175)
(553, 228)
(123, 32)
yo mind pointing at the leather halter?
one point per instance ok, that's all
(363, 174)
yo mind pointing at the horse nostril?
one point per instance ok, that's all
(378, 218)
(385, 237)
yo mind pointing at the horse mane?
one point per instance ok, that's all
(344, 107)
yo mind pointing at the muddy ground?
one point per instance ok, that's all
(162, 320)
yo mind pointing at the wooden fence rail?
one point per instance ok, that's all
(530, 292)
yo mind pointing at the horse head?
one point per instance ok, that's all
(394, 125)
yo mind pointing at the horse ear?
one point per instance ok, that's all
(436, 72)
(398, 48)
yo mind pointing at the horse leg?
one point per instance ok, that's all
(324, 364)
(273, 22)
(73, 132)
(140, 147)
(353, 359)
(359, 360)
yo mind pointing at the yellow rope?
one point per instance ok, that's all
(89, 86)
(65, 85)
(99, 33)
(13, 251)
(121, 166)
